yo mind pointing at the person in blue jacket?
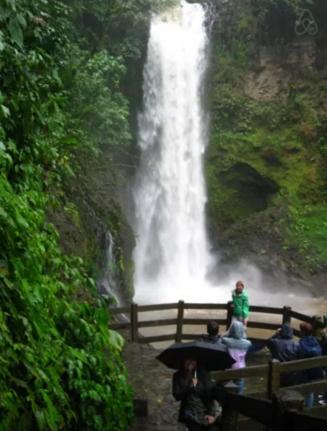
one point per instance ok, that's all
(309, 347)
(283, 347)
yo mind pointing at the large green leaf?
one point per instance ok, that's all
(15, 31)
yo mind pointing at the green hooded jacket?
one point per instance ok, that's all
(241, 304)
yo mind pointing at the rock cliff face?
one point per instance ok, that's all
(93, 212)
(90, 219)
(266, 162)
(267, 158)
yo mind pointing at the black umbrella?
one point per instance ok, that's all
(212, 356)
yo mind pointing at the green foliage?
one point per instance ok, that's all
(128, 22)
(281, 137)
(60, 364)
(308, 234)
(97, 105)
(62, 71)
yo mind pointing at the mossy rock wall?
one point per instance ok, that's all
(266, 162)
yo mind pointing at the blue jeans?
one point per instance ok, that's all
(240, 385)
(309, 399)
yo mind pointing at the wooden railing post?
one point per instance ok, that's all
(180, 318)
(317, 323)
(287, 314)
(229, 314)
(134, 322)
(273, 377)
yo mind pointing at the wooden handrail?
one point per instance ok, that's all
(264, 325)
(266, 310)
(259, 409)
(286, 313)
(230, 374)
(315, 385)
(199, 306)
(197, 321)
(301, 316)
(158, 307)
(303, 364)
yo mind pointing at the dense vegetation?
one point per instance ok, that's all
(266, 164)
(69, 84)
(63, 66)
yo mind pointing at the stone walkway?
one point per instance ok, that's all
(151, 381)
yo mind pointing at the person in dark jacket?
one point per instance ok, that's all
(323, 345)
(323, 342)
(309, 348)
(284, 348)
(212, 335)
(193, 388)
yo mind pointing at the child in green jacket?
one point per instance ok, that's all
(240, 303)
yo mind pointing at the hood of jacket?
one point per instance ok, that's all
(236, 330)
(235, 338)
(286, 331)
(309, 346)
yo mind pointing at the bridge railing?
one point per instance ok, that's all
(262, 409)
(132, 318)
(272, 371)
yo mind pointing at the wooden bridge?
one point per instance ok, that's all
(272, 407)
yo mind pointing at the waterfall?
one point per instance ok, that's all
(172, 254)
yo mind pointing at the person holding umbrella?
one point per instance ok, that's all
(191, 383)
(193, 388)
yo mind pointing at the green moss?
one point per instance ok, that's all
(308, 234)
(282, 139)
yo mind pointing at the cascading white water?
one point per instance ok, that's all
(172, 254)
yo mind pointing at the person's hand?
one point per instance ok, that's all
(194, 381)
(210, 419)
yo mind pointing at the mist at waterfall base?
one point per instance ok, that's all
(172, 255)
